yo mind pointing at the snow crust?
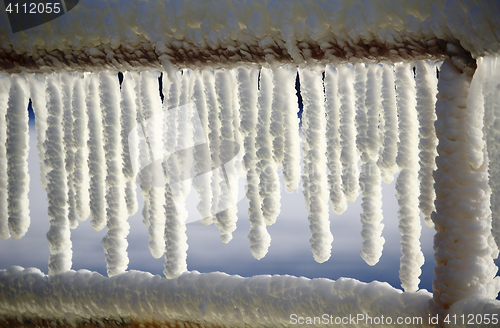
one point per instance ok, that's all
(210, 298)
(124, 35)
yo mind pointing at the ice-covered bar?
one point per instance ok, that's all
(410, 88)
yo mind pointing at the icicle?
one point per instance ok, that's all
(276, 126)
(387, 159)
(178, 172)
(475, 118)
(407, 183)
(260, 240)
(291, 159)
(314, 149)
(213, 138)
(4, 212)
(115, 242)
(226, 220)
(175, 238)
(348, 156)
(128, 123)
(144, 152)
(80, 137)
(492, 129)
(360, 72)
(332, 107)
(67, 83)
(184, 134)
(179, 137)
(59, 235)
(96, 161)
(426, 81)
(155, 217)
(464, 246)
(238, 137)
(39, 104)
(17, 147)
(370, 179)
(202, 161)
(269, 186)
(174, 234)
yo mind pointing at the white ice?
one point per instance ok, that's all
(314, 150)
(17, 148)
(407, 188)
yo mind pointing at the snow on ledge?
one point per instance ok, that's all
(144, 34)
(210, 299)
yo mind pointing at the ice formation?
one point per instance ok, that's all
(367, 74)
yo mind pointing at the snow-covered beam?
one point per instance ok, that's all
(126, 35)
(202, 300)
(465, 247)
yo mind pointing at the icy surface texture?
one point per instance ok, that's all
(210, 298)
(464, 245)
(129, 34)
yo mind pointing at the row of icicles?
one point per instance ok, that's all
(381, 115)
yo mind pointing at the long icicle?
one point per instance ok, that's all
(81, 177)
(17, 147)
(248, 79)
(213, 139)
(291, 158)
(129, 151)
(332, 108)
(4, 212)
(59, 234)
(143, 152)
(426, 82)
(115, 242)
(67, 83)
(277, 116)
(407, 183)
(96, 160)
(370, 180)
(178, 171)
(348, 156)
(201, 156)
(314, 149)
(226, 220)
(39, 103)
(269, 186)
(151, 108)
(389, 149)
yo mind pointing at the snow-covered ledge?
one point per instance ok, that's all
(140, 35)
